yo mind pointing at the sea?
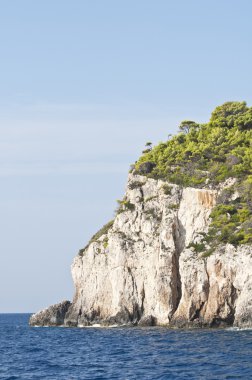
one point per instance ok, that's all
(121, 352)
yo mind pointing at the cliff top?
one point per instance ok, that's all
(205, 155)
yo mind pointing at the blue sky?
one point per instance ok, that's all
(84, 84)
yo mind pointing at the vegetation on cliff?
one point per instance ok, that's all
(204, 155)
(103, 231)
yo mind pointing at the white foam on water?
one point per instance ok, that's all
(239, 329)
(97, 325)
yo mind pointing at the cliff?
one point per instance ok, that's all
(145, 270)
(179, 251)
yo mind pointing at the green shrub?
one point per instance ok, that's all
(208, 252)
(198, 247)
(150, 198)
(151, 212)
(173, 206)
(225, 195)
(124, 205)
(231, 223)
(167, 189)
(103, 231)
(105, 242)
(146, 150)
(82, 250)
(228, 114)
(135, 184)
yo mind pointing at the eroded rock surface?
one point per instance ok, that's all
(141, 271)
(52, 316)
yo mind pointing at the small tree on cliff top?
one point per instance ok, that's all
(186, 125)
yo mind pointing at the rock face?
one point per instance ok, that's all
(52, 316)
(142, 271)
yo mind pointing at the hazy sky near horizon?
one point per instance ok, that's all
(84, 84)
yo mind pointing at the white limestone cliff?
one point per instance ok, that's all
(142, 271)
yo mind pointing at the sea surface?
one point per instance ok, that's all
(121, 353)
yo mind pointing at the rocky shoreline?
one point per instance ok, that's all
(142, 270)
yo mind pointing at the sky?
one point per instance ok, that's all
(83, 86)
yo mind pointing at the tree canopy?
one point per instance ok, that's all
(232, 114)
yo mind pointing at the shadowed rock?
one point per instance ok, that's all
(146, 167)
(52, 316)
(148, 320)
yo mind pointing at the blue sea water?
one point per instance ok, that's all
(121, 353)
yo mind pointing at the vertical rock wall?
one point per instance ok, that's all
(142, 272)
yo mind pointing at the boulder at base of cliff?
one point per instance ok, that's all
(148, 320)
(52, 316)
